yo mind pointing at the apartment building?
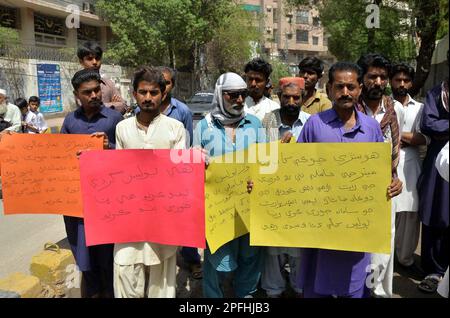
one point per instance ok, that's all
(290, 35)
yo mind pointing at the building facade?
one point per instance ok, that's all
(290, 35)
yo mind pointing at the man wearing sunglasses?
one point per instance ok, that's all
(257, 73)
(226, 129)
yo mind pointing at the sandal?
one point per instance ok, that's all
(196, 271)
(429, 284)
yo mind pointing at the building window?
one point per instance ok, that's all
(315, 40)
(87, 33)
(316, 21)
(302, 17)
(49, 31)
(8, 17)
(302, 36)
(275, 15)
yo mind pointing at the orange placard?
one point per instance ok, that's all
(41, 173)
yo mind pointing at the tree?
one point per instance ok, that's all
(404, 35)
(231, 46)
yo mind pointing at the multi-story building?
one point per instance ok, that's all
(43, 23)
(290, 35)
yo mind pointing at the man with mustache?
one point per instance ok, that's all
(314, 101)
(9, 113)
(90, 57)
(226, 129)
(389, 113)
(145, 269)
(94, 118)
(407, 223)
(257, 75)
(283, 124)
(331, 273)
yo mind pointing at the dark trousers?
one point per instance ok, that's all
(435, 250)
(190, 255)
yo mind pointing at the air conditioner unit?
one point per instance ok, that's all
(269, 8)
(88, 7)
(268, 29)
(289, 14)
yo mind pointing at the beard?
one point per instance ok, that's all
(233, 111)
(3, 108)
(290, 110)
(374, 93)
(400, 92)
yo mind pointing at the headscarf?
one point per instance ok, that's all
(226, 82)
(2, 92)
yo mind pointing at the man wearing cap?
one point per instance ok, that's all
(95, 262)
(284, 123)
(287, 122)
(9, 113)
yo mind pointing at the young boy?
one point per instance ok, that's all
(34, 120)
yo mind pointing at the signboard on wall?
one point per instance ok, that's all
(49, 85)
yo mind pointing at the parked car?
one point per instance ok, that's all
(200, 104)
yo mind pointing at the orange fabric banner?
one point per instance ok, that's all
(41, 173)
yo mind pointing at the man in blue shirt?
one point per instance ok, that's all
(96, 262)
(226, 129)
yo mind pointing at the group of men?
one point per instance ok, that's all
(354, 109)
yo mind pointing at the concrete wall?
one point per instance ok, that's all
(19, 78)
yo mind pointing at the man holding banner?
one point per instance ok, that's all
(226, 129)
(283, 124)
(99, 121)
(331, 273)
(147, 269)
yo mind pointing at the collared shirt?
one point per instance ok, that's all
(296, 128)
(264, 106)
(412, 117)
(76, 122)
(330, 272)
(162, 133)
(181, 112)
(108, 91)
(13, 116)
(398, 107)
(211, 135)
(105, 121)
(37, 121)
(317, 103)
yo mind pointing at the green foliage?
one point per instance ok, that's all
(279, 70)
(231, 46)
(8, 36)
(155, 31)
(345, 21)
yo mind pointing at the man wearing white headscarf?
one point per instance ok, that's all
(226, 129)
(10, 113)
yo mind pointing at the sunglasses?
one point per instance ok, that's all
(236, 94)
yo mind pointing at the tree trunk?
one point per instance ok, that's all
(427, 14)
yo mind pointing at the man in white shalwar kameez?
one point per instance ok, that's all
(406, 204)
(389, 113)
(147, 269)
(257, 76)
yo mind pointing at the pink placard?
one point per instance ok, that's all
(144, 196)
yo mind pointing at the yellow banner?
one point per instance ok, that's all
(227, 203)
(324, 195)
